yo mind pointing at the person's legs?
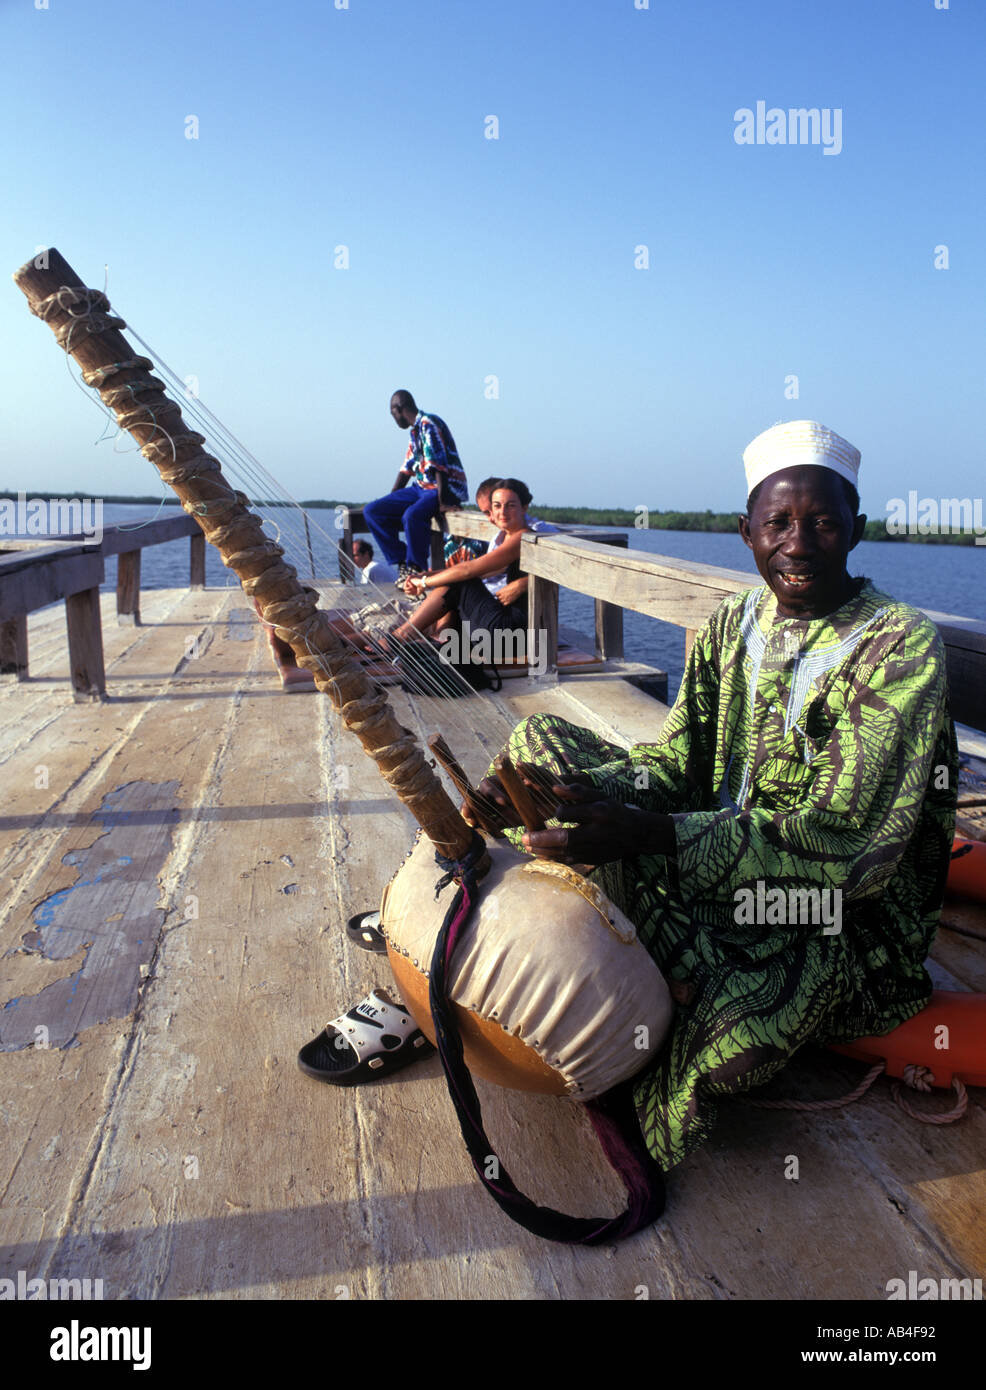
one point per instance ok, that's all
(563, 750)
(293, 676)
(487, 618)
(470, 601)
(737, 1025)
(281, 652)
(417, 526)
(483, 611)
(742, 1008)
(384, 516)
(427, 612)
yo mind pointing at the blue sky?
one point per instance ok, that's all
(512, 258)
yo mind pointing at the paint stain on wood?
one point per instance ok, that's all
(110, 914)
(241, 625)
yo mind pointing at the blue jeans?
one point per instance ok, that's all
(413, 508)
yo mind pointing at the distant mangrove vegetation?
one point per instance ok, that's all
(620, 518)
(876, 530)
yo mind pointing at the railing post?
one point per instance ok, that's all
(13, 648)
(85, 645)
(437, 539)
(542, 609)
(196, 560)
(128, 588)
(609, 621)
(609, 631)
(346, 547)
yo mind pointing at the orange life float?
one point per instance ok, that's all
(948, 1038)
(967, 871)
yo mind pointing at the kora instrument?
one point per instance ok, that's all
(552, 990)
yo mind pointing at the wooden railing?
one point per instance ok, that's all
(673, 591)
(965, 654)
(590, 562)
(128, 543)
(34, 574)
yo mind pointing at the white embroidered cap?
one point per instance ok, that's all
(799, 443)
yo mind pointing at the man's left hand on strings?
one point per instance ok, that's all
(603, 830)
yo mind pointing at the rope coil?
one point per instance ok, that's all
(66, 297)
(946, 1117)
(81, 328)
(917, 1077)
(110, 394)
(170, 446)
(141, 413)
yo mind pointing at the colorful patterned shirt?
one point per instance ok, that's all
(431, 450)
(803, 759)
(815, 754)
(458, 549)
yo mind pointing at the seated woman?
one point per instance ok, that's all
(462, 590)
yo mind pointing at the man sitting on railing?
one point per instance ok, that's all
(783, 846)
(431, 481)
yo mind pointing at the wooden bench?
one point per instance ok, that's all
(34, 574)
(31, 579)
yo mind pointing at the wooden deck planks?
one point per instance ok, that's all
(51, 1082)
(178, 1151)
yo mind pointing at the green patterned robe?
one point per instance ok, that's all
(800, 753)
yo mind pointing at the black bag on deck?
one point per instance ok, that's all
(425, 671)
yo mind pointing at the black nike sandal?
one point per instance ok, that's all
(364, 931)
(373, 1039)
